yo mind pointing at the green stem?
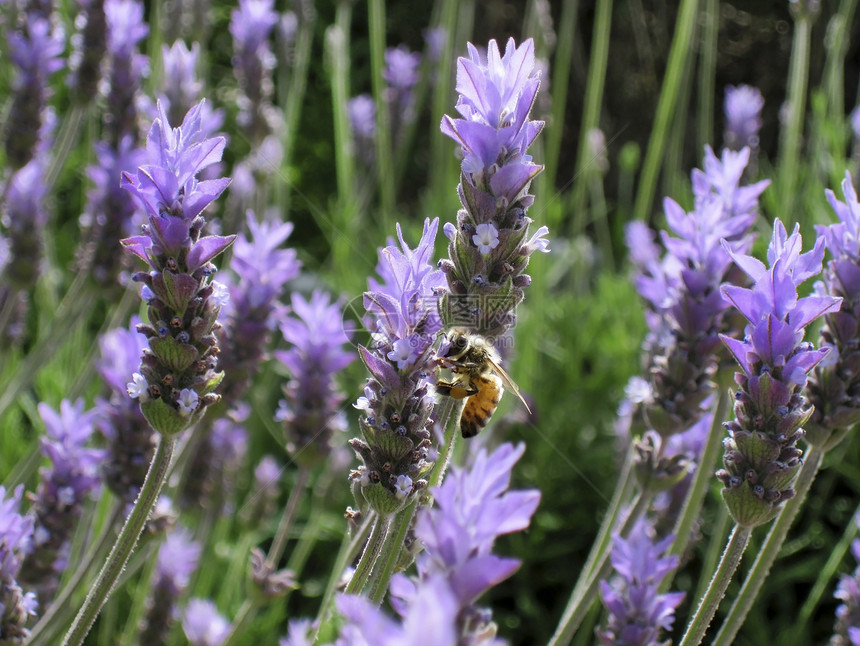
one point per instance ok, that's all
(348, 549)
(719, 533)
(828, 571)
(699, 487)
(768, 552)
(295, 99)
(384, 163)
(717, 589)
(560, 83)
(798, 78)
(707, 72)
(591, 114)
(371, 553)
(279, 543)
(679, 58)
(243, 617)
(125, 543)
(579, 605)
(384, 568)
(441, 156)
(610, 519)
(66, 139)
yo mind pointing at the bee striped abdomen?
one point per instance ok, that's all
(480, 407)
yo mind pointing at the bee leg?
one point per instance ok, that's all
(455, 389)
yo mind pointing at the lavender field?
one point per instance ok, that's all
(433, 324)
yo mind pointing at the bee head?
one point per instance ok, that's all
(458, 343)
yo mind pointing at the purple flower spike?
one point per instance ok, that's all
(16, 536)
(177, 560)
(761, 458)
(398, 403)
(263, 269)
(63, 488)
(311, 412)
(846, 632)
(401, 74)
(35, 50)
(835, 380)
(180, 366)
(637, 611)
(126, 69)
(203, 624)
(89, 46)
(253, 61)
(682, 289)
(743, 105)
(130, 439)
(430, 620)
(473, 507)
(489, 248)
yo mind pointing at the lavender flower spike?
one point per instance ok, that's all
(761, 458)
(835, 382)
(263, 268)
(177, 374)
(63, 489)
(473, 508)
(36, 51)
(203, 624)
(637, 611)
(846, 632)
(311, 412)
(489, 248)
(686, 311)
(177, 560)
(16, 534)
(742, 106)
(398, 401)
(130, 439)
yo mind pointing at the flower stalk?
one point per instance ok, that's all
(125, 543)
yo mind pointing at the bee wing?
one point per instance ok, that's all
(509, 383)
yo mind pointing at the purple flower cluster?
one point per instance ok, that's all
(177, 560)
(489, 250)
(63, 488)
(263, 269)
(130, 439)
(846, 632)
(401, 74)
(203, 624)
(682, 289)
(16, 535)
(398, 401)
(36, 51)
(177, 373)
(251, 26)
(742, 106)
(834, 386)
(311, 412)
(89, 46)
(126, 69)
(761, 458)
(637, 611)
(109, 210)
(472, 508)
(26, 214)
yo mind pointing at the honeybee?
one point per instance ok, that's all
(478, 376)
